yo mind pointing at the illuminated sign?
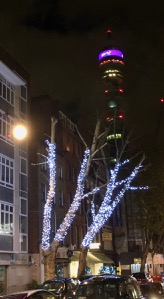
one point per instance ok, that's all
(107, 53)
(94, 246)
(107, 236)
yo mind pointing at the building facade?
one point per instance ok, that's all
(14, 95)
(69, 155)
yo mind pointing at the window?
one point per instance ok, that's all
(23, 182)
(23, 165)
(6, 127)
(68, 172)
(43, 192)
(69, 199)
(43, 163)
(60, 172)
(6, 171)
(23, 242)
(23, 224)
(129, 289)
(7, 90)
(23, 206)
(23, 92)
(68, 147)
(74, 175)
(60, 198)
(23, 100)
(6, 219)
(23, 175)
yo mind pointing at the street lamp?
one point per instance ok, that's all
(20, 131)
(17, 130)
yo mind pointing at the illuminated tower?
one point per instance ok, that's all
(111, 65)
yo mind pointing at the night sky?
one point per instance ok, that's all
(58, 42)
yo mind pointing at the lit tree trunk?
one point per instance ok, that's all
(82, 261)
(49, 261)
(79, 194)
(49, 264)
(107, 207)
(48, 252)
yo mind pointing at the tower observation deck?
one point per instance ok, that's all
(111, 64)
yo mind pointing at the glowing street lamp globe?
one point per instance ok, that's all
(20, 132)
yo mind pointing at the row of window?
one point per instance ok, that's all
(6, 127)
(7, 220)
(7, 173)
(7, 90)
(73, 148)
(7, 123)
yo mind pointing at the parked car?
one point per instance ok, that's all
(108, 287)
(61, 287)
(151, 290)
(159, 278)
(86, 276)
(32, 294)
(142, 277)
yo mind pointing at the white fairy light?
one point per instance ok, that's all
(62, 231)
(51, 160)
(107, 206)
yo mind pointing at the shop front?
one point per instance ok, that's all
(14, 272)
(95, 261)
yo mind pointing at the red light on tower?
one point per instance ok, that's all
(120, 116)
(121, 90)
(107, 118)
(106, 91)
(162, 100)
(109, 31)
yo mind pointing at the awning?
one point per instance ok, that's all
(93, 257)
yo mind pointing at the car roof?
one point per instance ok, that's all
(104, 278)
(58, 280)
(25, 293)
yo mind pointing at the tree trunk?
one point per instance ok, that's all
(144, 255)
(49, 261)
(82, 262)
(49, 265)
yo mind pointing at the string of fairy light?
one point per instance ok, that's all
(106, 208)
(108, 204)
(79, 194)
(51, 160)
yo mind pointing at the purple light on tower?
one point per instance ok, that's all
(107, 53)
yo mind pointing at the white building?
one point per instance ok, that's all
(14, 259)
